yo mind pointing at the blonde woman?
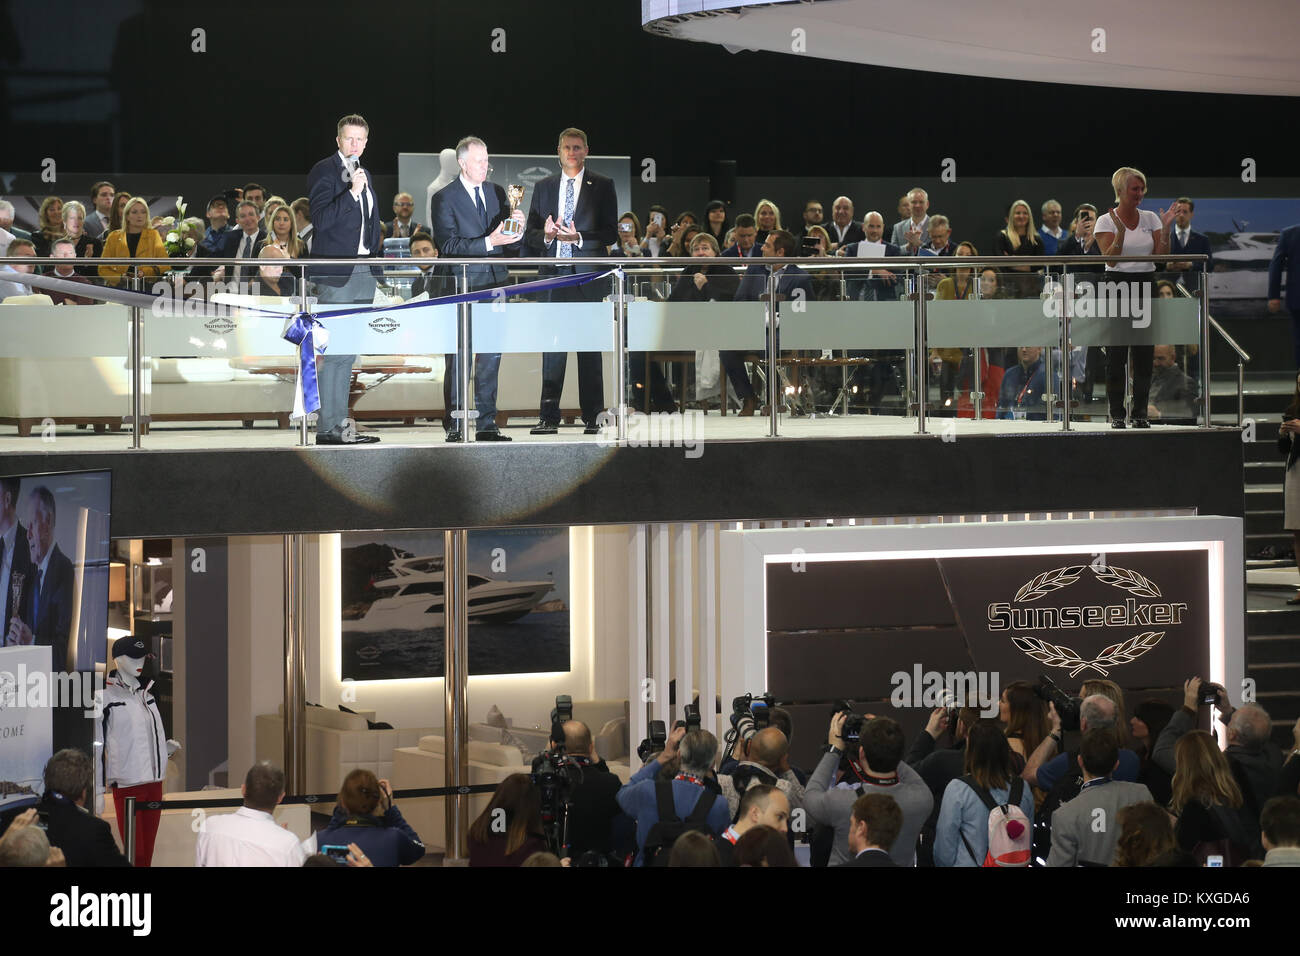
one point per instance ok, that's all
(768, 219)
(272, 204)
(135, 240)
(1021, 238)
(1129, 231)
(74, 220)
(282, 234)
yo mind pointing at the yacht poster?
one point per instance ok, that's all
(392, 595)
(1243, 234)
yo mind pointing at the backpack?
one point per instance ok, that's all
(659, 841)
(1010, 834)
(1063, 791)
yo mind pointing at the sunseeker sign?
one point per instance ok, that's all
(1145, 623)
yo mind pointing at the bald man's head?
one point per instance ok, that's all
(768, 747)
(577, 738)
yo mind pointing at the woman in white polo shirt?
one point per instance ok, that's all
(1129, 231)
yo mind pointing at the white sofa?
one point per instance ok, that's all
(337, 743)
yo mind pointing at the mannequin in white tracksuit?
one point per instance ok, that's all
(135, 746)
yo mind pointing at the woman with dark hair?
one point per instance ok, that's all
(1024, 715)
(1146, 831)
(1149, 718)
(716, 223)
(684, 230)
(693, 848)
(521, 806)
(1206, 800)
(367, 817)
(115, 218)
(1290, 447)
(763, 846)
(628, 242)
(1081, 241)
(961, 835)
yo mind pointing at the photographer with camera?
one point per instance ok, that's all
(1048, 764)
(938, 767)
(875, 765)
(767, 762)
(664, 809)
(586, 792)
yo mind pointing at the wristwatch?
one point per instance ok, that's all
(832, 749)
(1057, 738)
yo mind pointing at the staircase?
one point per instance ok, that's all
(1272, 627)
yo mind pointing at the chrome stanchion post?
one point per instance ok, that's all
(1205, 349)
(311, 314)
(922, 362)
(462, 361)
(620, 354)
(1241, 396)
(1067, 386)
(295, 667)
(128, 829)
(977, 393)
(137, 369)
(773, 377)
(1049, 396)
(455, 679)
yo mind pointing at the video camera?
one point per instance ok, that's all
(759, 708)
(556, 774)
(851, 732)
(1067, 707)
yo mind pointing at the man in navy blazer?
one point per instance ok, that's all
(468, 216)
(1286, 258)
(887, 286)
(792, 283)
(15, 557)
(346, 225)
(743, 234)
(45, 617)
(1183, 238)
(573, 215)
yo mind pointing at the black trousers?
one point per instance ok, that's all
(1136, 360)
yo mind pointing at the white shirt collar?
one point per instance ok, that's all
(45, 562)
(470, 188)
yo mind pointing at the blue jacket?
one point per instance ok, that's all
(1052, 771)
(387, 840)
(790, 278)
(963, 812)
(637, 798)
(1023, 389)
(1286, 257)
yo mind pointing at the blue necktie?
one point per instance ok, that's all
(482, 209)
(566, 248)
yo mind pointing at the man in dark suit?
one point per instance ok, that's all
(1183, 238)
(468, 216)
(873, 828)
(345, 221)
(402, 226)
(1286, 258)
(883, 286)
(792, 283)
(15, 559)
(744, 233)
(84, 838)
(46, 614)
(843, 229)
(581, 221)
(242, 242)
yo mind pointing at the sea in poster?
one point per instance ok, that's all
(392, 591)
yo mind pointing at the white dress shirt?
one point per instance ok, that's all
(473, 199)
(246, 837)
(559, 203)
(362, 248)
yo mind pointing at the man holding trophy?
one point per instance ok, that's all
(573, 215)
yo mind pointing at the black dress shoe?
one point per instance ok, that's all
(1141, 423)
(336, 438)
(591, 430)
(1117, 423)
(454, 436)
(493, 435)
(544, 428)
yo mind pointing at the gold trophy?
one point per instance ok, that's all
(514, 195)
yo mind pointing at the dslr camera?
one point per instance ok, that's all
(1067, 707)
(851, 732)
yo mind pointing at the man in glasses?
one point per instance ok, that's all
(402, 226)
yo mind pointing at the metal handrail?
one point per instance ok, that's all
(1214, 324)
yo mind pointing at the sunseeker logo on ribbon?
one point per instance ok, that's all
(1132, 614)
(1085, 299)
(219, 325)
(383, 323)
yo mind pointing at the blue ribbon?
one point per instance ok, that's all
(300, 333)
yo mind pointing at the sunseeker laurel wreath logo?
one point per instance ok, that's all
(1132, 613)
(384, 323)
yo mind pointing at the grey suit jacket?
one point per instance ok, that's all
(899, 237)
(1086, 829)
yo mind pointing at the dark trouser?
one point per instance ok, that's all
(1295, 335)
(661, 396)
(1117, 357)
(734, 363)
(334, 377)
(591, 380)
(486, 366)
